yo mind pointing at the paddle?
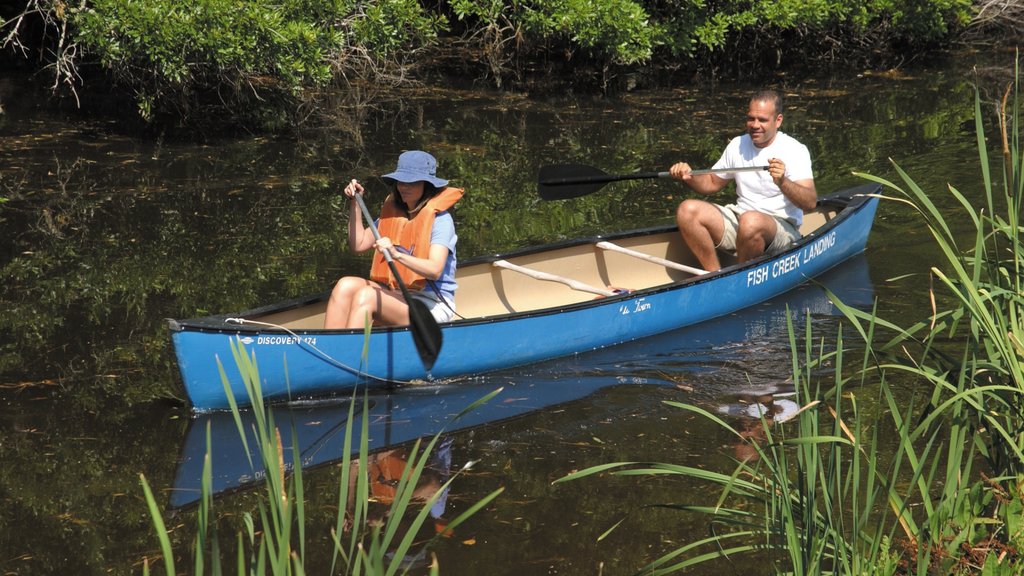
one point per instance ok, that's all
(564, 181)
(425, 331)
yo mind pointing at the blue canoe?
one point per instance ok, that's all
(400, 416)
(517, 308)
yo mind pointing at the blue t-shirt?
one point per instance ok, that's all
(443, 233)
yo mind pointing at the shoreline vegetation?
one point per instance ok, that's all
(275, 66)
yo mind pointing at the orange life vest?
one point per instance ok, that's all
(412, 234)
(386, 471)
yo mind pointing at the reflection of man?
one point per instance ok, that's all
(769, 205)
(751, 409)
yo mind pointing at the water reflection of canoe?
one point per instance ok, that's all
(413, 412)
(518, 308)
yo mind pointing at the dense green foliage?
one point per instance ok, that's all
(259, 61)
(233, 55)
(166, 50)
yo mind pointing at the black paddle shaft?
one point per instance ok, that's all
(426, 334)
(564, 181)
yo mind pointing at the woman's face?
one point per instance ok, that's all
(411, 193)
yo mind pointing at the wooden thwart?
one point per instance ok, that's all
(538, 275)
(654, 259)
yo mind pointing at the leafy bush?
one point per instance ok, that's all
(387, 27)
(254, 57)
(173, 55)
(689, 34)
(234, 54)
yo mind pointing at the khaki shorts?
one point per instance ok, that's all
(442, 311)
(785, 232)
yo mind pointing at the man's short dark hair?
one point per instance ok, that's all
(769, 96)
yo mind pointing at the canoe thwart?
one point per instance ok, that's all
(653, 259)
(538, 275)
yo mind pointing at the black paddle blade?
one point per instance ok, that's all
(425, 332)
(565, 181)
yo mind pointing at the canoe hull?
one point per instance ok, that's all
(296, 364)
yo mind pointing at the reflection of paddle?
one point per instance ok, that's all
(425, 331)
(564, 181)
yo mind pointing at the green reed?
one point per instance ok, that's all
(862, 482)
(274, 538)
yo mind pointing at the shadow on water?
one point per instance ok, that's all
(754, 339)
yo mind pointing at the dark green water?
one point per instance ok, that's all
(106, 235)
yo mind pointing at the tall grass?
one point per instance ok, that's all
(933, 485)
(986, 281)
(274, 537)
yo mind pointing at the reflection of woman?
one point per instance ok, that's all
(386, 469)
(418, 232)
(384, 473)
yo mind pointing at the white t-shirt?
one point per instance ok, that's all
(756, 190)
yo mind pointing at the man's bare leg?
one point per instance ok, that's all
(701, 225)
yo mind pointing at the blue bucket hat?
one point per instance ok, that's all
(416, 166)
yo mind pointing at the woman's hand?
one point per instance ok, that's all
(360, 239)
(385, 245)
(353, 188)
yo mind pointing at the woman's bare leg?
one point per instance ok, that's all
(378, 304)
(339, 305)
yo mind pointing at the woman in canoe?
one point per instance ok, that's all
(419, 232)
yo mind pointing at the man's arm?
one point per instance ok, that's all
(702, 184)
(800, 192)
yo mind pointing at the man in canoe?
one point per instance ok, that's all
(770, 204)
(418, 231)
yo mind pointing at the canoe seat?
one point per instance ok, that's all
(815, 220)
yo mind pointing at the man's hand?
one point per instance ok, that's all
(777, 169)
(801, 193)
(680, 171)
(702, 184)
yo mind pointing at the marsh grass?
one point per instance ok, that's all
(274, 537)
(864, 482)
